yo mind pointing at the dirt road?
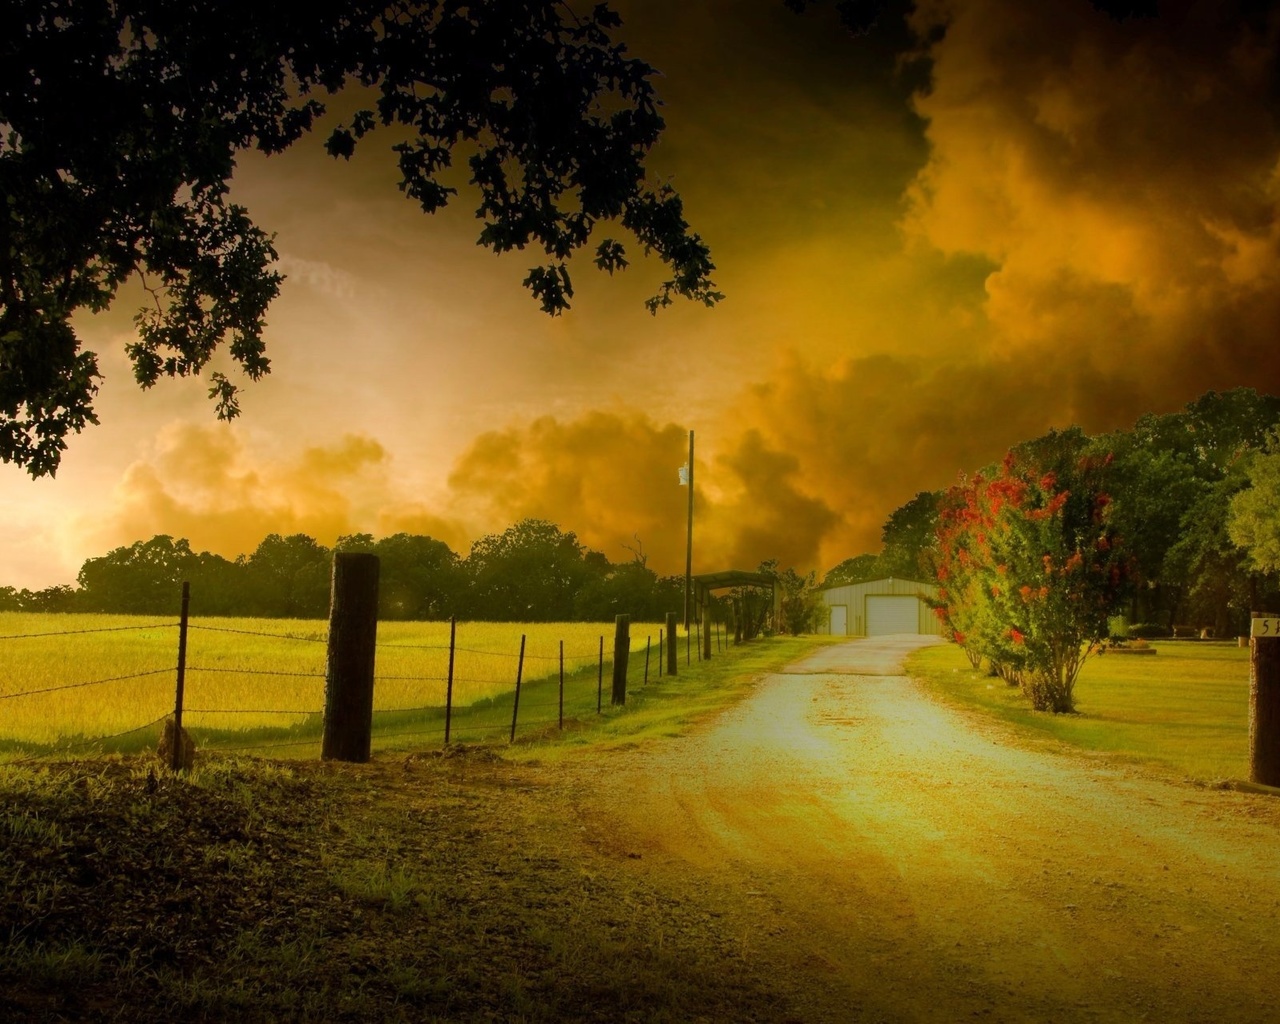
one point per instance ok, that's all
(893, 859)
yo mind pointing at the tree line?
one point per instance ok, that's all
(1071, 538)
(531, 572)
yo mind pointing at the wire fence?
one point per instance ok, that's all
(262, 690)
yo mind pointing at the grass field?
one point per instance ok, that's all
(104, 682)
(1186, 708)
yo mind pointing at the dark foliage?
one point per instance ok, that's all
(120, 121)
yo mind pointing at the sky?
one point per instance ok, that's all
(983, 220)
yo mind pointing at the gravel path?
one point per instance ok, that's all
(900, 860)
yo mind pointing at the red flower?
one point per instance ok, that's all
(1015, 636)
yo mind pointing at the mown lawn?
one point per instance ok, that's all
(1186, 708)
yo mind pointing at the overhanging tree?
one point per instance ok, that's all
(120, 121)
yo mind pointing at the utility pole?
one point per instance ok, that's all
(688, 551)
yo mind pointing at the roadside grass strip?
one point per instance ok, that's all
(1186, 709)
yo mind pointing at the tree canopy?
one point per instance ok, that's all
(120, 122)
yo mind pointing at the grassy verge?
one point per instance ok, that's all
(436, 886)
(1186, 709)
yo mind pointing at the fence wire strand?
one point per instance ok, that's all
(91, 682)
(251, 632)
(77, 632)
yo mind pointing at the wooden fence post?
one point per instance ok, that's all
(673, 655)
(515, 707)
(621, 655)
(562, 686)
(647, 641)
(707, 627)
(1264, 700)
(600, 681)
(662, 648)
(448, 692)
(353, 636)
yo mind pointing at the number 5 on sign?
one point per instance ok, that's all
(1264, 627)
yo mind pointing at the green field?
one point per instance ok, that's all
(85, 683)
(1186, 708)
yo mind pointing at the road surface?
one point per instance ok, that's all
(899, 860)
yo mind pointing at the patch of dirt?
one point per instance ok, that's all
(886, 858)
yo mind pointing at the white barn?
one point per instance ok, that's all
(879, 607)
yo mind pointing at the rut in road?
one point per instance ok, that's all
(905, 862)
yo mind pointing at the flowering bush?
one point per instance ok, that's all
(1030, 567)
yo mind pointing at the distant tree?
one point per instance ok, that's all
(532, 571)
(798, 601)
(858, 569)
(120, 122)
(288, 577)
(421, 578)
(1253, 517)
(10, 600)
(909, 537)
(144, 578)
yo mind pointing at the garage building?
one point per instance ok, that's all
(878, 608)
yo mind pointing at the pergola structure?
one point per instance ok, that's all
(732, 579)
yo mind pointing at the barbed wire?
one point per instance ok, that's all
(91, 682)
(74, 632)
(395, 711)
(249, 711)
(252, 632)
(255, 672)
(113, 736)
(414, 679)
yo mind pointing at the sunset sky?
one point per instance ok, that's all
(1054, 218)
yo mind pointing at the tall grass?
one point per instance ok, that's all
(1186, 708)
(106, 680)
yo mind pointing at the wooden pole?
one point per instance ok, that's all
(688, 551)
(697, 626)
(673, 656)
(647, 641)
(706, 632)
(515, 707)
(353, 636)
(600, 681)
(562, 686)
(1264, 700)
(448, 691)
(621, 656)
(177, 762)
(661, 650)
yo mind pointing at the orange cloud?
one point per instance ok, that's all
(1124, 177)
(207, 484)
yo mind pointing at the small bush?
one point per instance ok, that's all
(1148, 631)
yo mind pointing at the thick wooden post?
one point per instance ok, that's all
(621, 654)
(648, 640)
(673, 655)
(1264, 700)
(706, 632)
(353, 635)
(600, 681)
(562, 686)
